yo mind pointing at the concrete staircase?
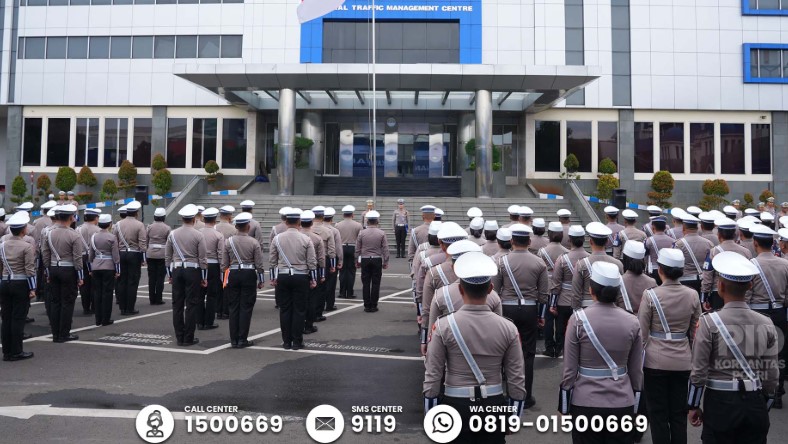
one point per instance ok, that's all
(267, 208)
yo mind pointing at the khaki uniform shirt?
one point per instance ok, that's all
(635, 286)
(86, 231)
(227, 229)
(19, 259)
(493, 342)
(628, 233)
(372, 243)
(432, 283)
(337, 243)
(157, 239)
(214, 244)
(537, 242)
(418, 235)
(711, 236)
(676, 232)
(400, 217)
(563, 274)
(198, 224)
(348, 231)
(62, 244)
(320, 252)
(499, 254)
(550, 254)
(682, 310)
(327, 236)
(619, 333)
(38, 226)
(699, 246)
(709, 282)
(191, 245)
(530, 276)
(296, 247)
(748, 244)
(256, 231)
(490, 247)
(104, 253)
(775, 269)
(439, 307)
(423, 251)
(281, 227)
(581, 282)
(654, 243)
(565, 241)
(616, 227)
(133, 231)
(424, 269)
(480, 241)
(247, 250)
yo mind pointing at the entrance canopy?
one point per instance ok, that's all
(443, 86)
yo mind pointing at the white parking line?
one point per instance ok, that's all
(324, 352)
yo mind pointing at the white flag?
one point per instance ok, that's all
(312, 9)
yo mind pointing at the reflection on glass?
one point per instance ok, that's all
(608, 141)
(671, 147)
(234, 143)
(761, 148)
(548, 146)
(176, 143)
(578, 142)
(58, 139)
(142, 142)
(644, 147)
(732, 148)
(87, 142)
(702, 148)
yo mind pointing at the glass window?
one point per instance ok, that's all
(142, 47)
(79, 2)
(234, 143)
(208, 46)
(77, 47)
(58, 140)
(122, 2)
(164, 46)
(176, 143)
(120, 48)
(505, 139)
(761, 148)
(87, 143)
(144, 2)
(99, 48)
(58, 2)
(232, 46)
(770, 63)
(732, 148)
(188, 2)
(768, 4)
(644, 147)
(548, 146)
(31, 150)
(186, 47)
(36, 2)
(56, 47)
(203, 142)
(671, 147)
(99, 2)
(165, 2)
(34, 47)
(116, 136)
(143, 133)
(754, 63)
(620, 40)
(578, 142)
(702, 148)
(607, 143)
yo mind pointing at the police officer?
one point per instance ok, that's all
(739, 382)
(44, 220)
(526, 213)
(657, 241)
(418, 235)
(448, 233)
(474, 349)
(693, 210)
(745, 235)
(430, 247)
(88, 228)
(611, 213)
(330, 250)
(707, 227)
(667, 314)
(42, 290)
(603, 360)
(370, 207)
(653, 211)
(695, 249)
(331, 279)
(247, 206)
(280, 227)
(307, 221)
(199, 221)
(514, 215)
(736, 204)
(563, 217)
(212, 305)
(225, 225)
(474, 231)
(293, 272)
(550, 254)
(157, 234)
(768, 293)
(538, 241)
(348, 231)
(61, 251)
(522, 283)
(783, 241)
(17, 288)
(372, 253)
(104, 257)
(133, 243)
(504, 239)
(635, 281)
(439, 214)
(630, 232)
(490, 247)
(581, 282)
(677, 230)
(244, 258)
(61, 197)
(770, 206)
(3, 226)
(561, 292)
(400, 223)
(187, 269)
(783, 210)
(473, 213)
(730, 212)
(726, 232)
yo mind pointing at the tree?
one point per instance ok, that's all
(158, 163)
(212, 168)
(662, 183)
(765, 195)
(162, 181)
(605, 186)
(571, 164)
(44, 186)
(470, 153)
(66, 178)
(748, 201)
(607, 166)
(127, 175)
(108, 190)
(302, 147)
(86, 177)
(714, 191)
(18, 190)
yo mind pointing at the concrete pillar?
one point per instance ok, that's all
(13, 160)
(158, 137)
(286, 149)
(626, 150)
(466, 130)
(484, 180)
(779, 156)
(312, 128)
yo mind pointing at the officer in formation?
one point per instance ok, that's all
(157, 234)
(199, 221)
(214, 251)
(255, 230)
(514, 215)
(561, 289)
(490, 245)
(339, 262)
(476, 230)
(243, 256)
(653, 211)
(630, 232)
(504, 238)
(322, 229)
(581, 281)
(429, 247)
(17, 288)
(471, 351)
(634, 280)
(550, 254)
(104, 259)
(436, 269)
(293, 272)
(564, 216)
(677, 230)
(133, 243)
(86, 231)
(307, 221)
(400, 222)
(418, 235)
(225, 225)
(349, 230)
(372, 255)
(281, 226)
(611, 214)
(538, 240)
(473, 213)
(61, 251)
(656, 242)
(187, 269)
(694, 248)
(726, 234)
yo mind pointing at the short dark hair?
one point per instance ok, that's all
(188, 220)
(243, 227)
(726, 233)
(90, 217)
(122, 214)
(476, 233)
(555, 236)
(475, 291)
(62, 216)
(16, 232)
(708, 226)
(131, 212)
(159, 218)
(577, 241)
(736, 289)
(659, 225)
(636, 266)
(209, 219)
(104, 225)
(672, 273)
(490, 234)
(521, 241)
(506, 245)
(598, 241)
(603, 293)
(433, 239)
(306, 224)
(763, 242)
(539, 231)
(747, 234)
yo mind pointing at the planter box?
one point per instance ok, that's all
(468, 186)
(499, 184)
(274, 179)
(304, 182)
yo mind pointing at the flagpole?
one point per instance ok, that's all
(374, 114)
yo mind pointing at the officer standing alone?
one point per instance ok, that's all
(17, 288)
(157, 234)
(372, 253)
(400, 223)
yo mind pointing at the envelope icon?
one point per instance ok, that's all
(325, 423)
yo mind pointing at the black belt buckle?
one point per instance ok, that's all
(477, 392)
(742, 388)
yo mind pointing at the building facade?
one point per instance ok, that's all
(698, 88)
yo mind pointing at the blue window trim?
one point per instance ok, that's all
(747, 62)
(746, 10)
(470, 26)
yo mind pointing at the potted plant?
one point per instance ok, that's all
(571, 164)
(87, 179)
(44, 186)
(162, 183)
(714, 192)
(212, 168)
(66, 178)
(765, 195)
(127, 176)
(109, 189)
(662, 185)
(158, 163)
(303, 146)
(19, 190)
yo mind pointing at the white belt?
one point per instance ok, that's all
(668, 336)
(14, 278)
(348, 244)
(518, 302)
(733, 386)
(242, 267)
(566, 285)
(186, 265)
(369, 257)
(157, 245)
(471, 392)
(400, 225)
(129, 250)
(103, 256)
(587, 303)
(291, 271)
(691, 277)
(62, 264)
(765, 306)
(601, 372)
(213, 261)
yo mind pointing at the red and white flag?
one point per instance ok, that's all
(312, 9)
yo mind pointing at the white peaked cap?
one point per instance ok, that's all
(66, 209)
(678, 213)
(724, 222)
(733, 267)
(730, 210)
(210, 212)
(670, 257)
(694, 210)
(188, 211)
(490, 225)
(513, 209)
(373, 215)
(242, 218)
(91, 210)
(521, 230)
(330, 211)
(18, 220)
(762, 231)
(435, 226)
(135, 205)
(576, 231)
(463, 246)
(629, 214)
(767, 216)
(635, 249)
(538, 223)
(556, 227)
(48, 204)
(504, 234)
(653, 209)
(348, 209)
(438, 212)
(160, 212)
(427, 209)
(563, 213)
(598, 229)
(247, 204)
(307, 216)
(283, 211)
(477, 223)
(611, 210)
(474, 212)
(525, 211)
(475, 267)
(227, 209)
(451, 232)
(783, 232)
(605, 274)
(105, 219)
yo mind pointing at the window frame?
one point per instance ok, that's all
(747, 10)
(747, 49)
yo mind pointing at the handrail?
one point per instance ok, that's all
(572, 191)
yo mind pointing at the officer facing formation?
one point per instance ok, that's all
(214, 251)
(133, 242)
(348, 233)
(372, 255)
(17, 288)
(157, 234)
(104, 257)
(243, 256)
(400, 222)
(187, 269)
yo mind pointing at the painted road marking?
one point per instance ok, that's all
(337, 353)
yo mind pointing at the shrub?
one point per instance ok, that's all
(86, 177)
(714, 191)
(127, 175)
(44, 185)
(302, 147)
(605, 186)
(18, 189)
(158, 163)
(162, 181)
(66, 178)
(662, 183)
(571, 163)
(748, 200)
(83, 198)
(108, 190)
(765, 195)
(470, 153)
(607, 166)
